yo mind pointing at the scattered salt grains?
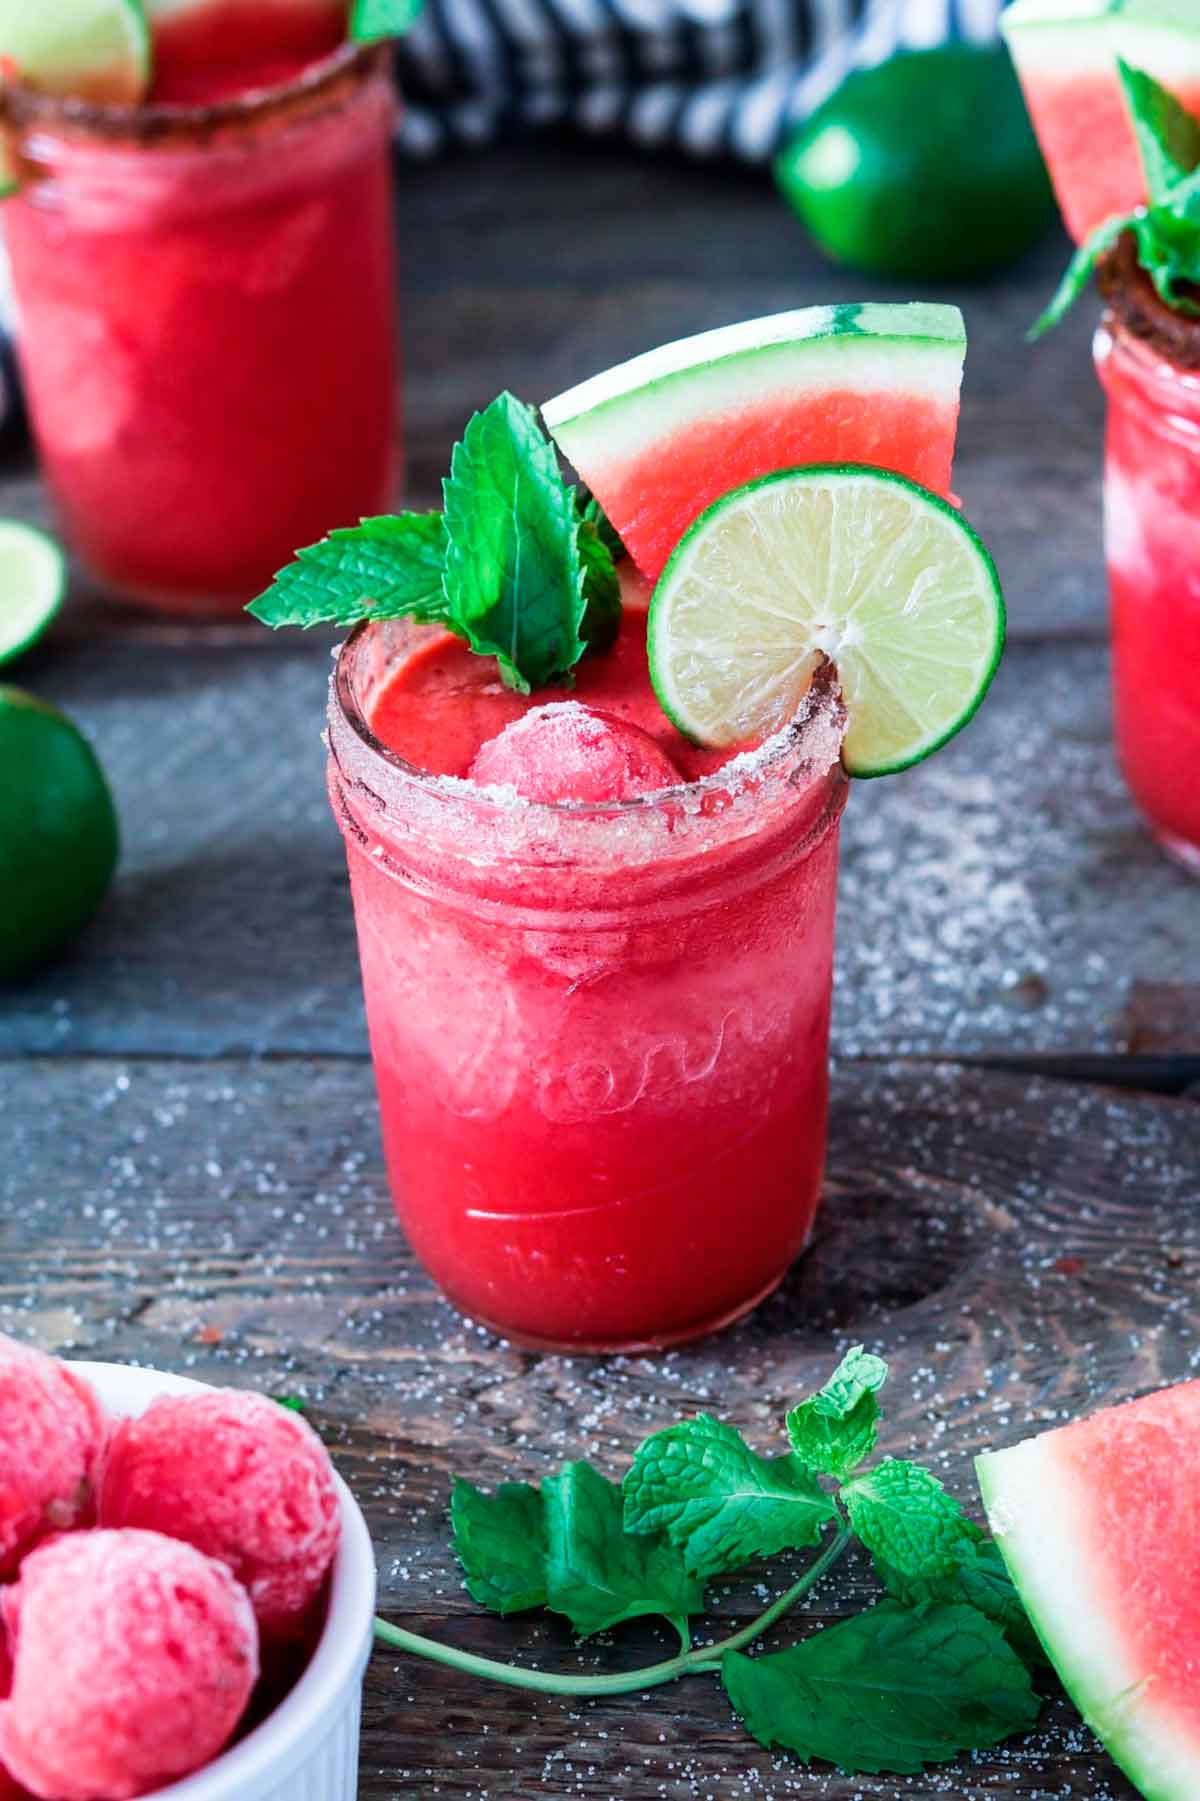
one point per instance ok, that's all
(233, 1206)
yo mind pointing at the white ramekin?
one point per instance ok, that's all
(307, 1750)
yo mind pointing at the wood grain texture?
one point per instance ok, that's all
(1020, 1249)
(1000, 898)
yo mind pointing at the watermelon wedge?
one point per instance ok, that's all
(1099, 1524)
(659, 438)
(1066, 53)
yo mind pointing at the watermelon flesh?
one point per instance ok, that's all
(659, 438)
(1099, 1525)
(1067, 64)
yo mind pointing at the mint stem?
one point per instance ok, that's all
(691, 1663)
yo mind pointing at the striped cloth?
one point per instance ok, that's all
(707, 77)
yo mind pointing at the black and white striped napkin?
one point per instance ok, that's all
(708, 77)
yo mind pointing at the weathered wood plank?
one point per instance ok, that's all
(533, 267)
(1018, 1248)
(1000, 898)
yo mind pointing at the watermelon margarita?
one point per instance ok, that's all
(599, 1029)
(592, 837)
(1152, 505)
(206, 299)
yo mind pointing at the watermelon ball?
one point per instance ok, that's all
(240, 1478)
(52, 1431)
(134, 1657)
(925, 167)
(565, 751)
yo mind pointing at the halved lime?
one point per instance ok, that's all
(838, 561)
(33, 580)
(58, 831)
(96, 49)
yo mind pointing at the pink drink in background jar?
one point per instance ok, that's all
(206, 298)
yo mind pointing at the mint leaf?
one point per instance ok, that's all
(977, 1577)
(382, 569)
(597, 1574)
(905, 1518)
(703, 1486)
(834, 1429)
(1168, 240)
(601, 590)
(513, 578)
(1168, 137)
(500, 1541)
(888, 1690)
(604, 528)
(1080, 270)
(371, 20)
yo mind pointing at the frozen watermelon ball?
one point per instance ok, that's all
(565, 751)
(242, 1479)
(133, 1659)
(52, 1432)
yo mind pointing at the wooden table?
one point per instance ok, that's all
(191, 1173)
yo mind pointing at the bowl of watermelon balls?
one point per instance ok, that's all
(186, 1591)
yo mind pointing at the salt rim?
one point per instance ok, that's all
(820, 718)
(317, 88)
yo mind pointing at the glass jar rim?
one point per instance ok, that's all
(779, 756)
(169, 125)
(1172, 388)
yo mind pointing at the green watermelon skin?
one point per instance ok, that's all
(1099, 1525)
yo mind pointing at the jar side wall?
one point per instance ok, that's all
(1152, 542)
(610, 1135)
(213, 384)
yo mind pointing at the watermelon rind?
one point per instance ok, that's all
(98, 50)
(872, 346)
(1033, 1507)
(1060, 38)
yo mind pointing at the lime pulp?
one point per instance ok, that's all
(844, 562)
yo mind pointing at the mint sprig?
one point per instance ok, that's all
(514, 564)
(1166, 231)
(937, 1668)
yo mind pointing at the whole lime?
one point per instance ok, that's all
(926, 166)
(58, 831)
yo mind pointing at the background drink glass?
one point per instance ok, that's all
(1152, 533)
(206, 301)
(599, 1033)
